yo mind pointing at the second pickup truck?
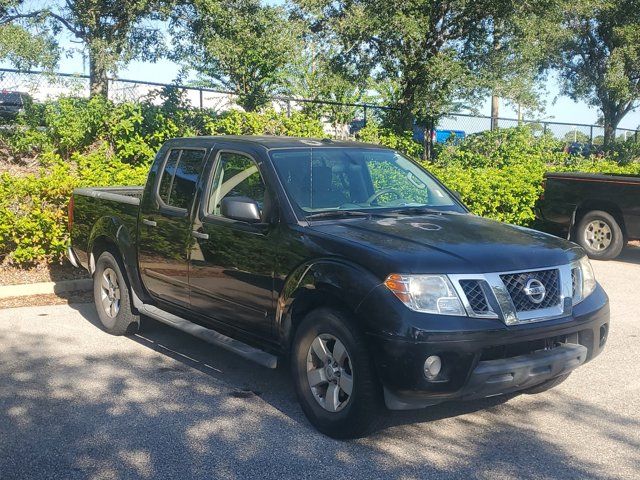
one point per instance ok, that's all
(348, 260)
(599, 212)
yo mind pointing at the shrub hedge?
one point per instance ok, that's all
(82, 142)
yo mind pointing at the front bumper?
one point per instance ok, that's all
(490, 360)
(496, 377)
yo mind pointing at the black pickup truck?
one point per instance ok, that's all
(349, 261)
(599, 212)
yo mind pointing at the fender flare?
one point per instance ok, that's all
(588, 205)
(117, 233)
(345, 281)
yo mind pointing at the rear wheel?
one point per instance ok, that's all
(333, 376)
(111, 296)
(600, 235)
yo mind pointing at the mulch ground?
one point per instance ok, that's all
(47, 299)
(11, 275)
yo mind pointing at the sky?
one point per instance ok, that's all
(558, 107)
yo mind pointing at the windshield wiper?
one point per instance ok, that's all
(418, 211)
(338, 214)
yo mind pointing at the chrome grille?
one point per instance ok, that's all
(475, 296)
(516, 283)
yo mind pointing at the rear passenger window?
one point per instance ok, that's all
(180, 177)
(167, 175)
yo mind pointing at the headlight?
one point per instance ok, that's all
(426, 293)
(584, 280)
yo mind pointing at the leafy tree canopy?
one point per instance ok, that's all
(24, 40)
(600, 60)
(417, 45)
(238, 45)
(112, 32)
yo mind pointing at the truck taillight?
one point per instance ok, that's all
(70, 213)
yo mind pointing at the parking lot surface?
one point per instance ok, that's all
(76, 402)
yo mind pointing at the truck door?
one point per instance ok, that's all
(165, 226)
(231, 273)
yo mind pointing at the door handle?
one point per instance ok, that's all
(149, 223)
(200, 235)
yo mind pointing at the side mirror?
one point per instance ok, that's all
(244, 209)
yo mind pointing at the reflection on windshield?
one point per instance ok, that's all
(327, 178)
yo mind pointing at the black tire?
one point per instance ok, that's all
(612, 241)
(548, 385)
(362, 410)
(121, 321)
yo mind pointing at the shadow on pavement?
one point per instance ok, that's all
(630, 254)
(112, 414)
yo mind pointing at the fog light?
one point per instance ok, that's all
(432, 367)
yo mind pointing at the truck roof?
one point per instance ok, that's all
(272, 141)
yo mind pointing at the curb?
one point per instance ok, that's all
(28, 289)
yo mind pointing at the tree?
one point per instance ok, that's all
(238, 45)
(24, 40)
(600, 61)
(523, 40)
(113, 33)
(415, 44)
(420, 46)
(317, 77)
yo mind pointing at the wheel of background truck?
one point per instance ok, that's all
(600, 235)
(111, 296)
(548, 385)
(333, 375)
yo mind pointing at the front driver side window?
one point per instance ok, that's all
(235, 175)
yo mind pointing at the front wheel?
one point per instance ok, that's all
(111, 296)
(333, 376)
(600, 235)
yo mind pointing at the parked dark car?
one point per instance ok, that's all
(600, 212)
(348, 260)
(12, 103)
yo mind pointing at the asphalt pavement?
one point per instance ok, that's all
(77, 403)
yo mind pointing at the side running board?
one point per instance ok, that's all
(211, 336)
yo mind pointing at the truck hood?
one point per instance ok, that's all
(447, 243)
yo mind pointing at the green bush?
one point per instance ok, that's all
(507, 194)
(33, 216)
(235, 122)
(384, 136)
(503, 147)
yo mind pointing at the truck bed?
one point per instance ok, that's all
(569, 196)
(131, 195)
(596, 177)
(97, 211)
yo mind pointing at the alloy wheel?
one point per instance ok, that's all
(110, 293)
(330, 372)
(597, 235)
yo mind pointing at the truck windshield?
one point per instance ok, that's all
(329, 178)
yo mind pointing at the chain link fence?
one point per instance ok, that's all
(42, 86)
